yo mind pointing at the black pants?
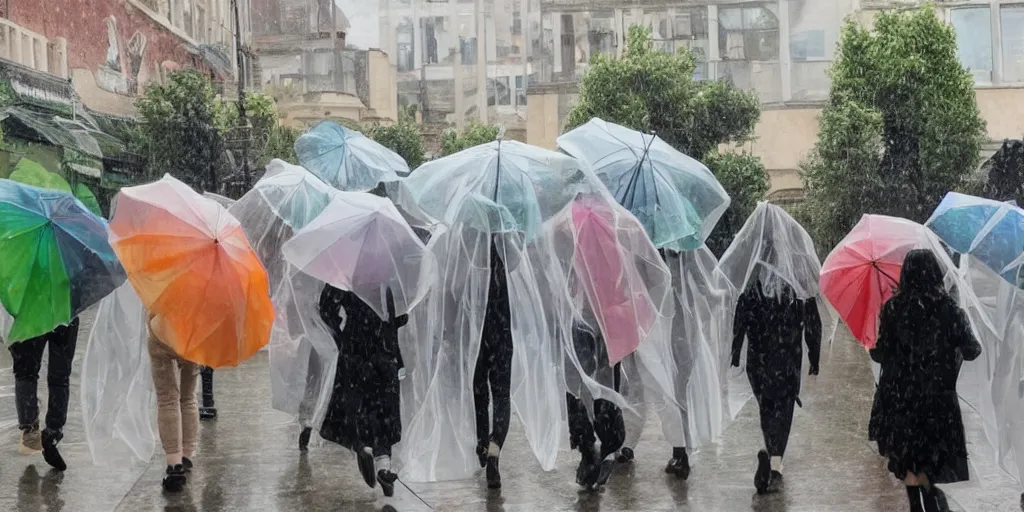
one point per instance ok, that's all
(608, 425)
(28, 359)
(493, 378)
(776, 422)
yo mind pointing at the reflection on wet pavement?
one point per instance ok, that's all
(248, 460)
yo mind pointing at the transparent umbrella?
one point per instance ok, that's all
(347, 159)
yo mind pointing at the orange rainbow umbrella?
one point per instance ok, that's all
(192, 266)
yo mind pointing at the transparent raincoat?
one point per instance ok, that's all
(302, 354)
(498, 193)
(8, 412)
(615, 284)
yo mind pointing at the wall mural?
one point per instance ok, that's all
(112, 76)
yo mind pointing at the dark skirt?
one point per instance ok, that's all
(920, 434)
(365, 407)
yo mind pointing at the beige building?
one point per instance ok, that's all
(781, 49)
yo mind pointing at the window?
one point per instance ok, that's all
(432, 30)
(601, 35)
(809, 45)
(748, 33)
(1011, 18)
(521, 91)
(501, 91)
(973, 28)
(517, 23)
(468, 47)
(405, 47)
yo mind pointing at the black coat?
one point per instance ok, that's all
(922, 341)
(365, 404)
(774, 328)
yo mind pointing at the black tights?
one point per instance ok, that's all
(776, 422)
(608, 425)
(493, 378)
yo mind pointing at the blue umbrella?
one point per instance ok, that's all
(347, 159)
(990, 231)
(56, 260)
(676, 198)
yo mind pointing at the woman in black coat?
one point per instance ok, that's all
(923, 338)
(492, 377)
(364, 414)
(775, 323)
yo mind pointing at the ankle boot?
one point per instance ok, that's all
(679, 465)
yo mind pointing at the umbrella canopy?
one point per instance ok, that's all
(284, 200)
(990, 231)
(56, 259)
(676, 198)
(501, 186)
(347, 159)
(774, 248)
(863, 271)
(361, 243)
(191, 265)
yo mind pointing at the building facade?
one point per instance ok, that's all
(305, 64)
(463, 60)
(111, 49)
(780, 49)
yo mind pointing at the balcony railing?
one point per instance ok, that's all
(33, 50)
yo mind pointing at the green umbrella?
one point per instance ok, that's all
(32, 173)
(83, 194)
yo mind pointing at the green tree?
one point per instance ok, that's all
(474, 134)
(281, 144)
(403, 137)
(901, 127)
(181, 131)
(654, 91)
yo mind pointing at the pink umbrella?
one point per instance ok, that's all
(624, 310)
(862, 272)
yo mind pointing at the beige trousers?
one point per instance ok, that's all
(177, 412)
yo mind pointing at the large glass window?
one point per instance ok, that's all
(1011, 18)
(973, 26)
(748, 33)
(406, 47)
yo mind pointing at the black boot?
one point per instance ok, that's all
(604, 470)
(679, 465)
(625, 456)
(304, 438)
(588, 472)
(186, 464)
(493, 475)
(763, 475)
(364, 459)
(207, 411)
(775, 483)
(387, 479)
(914, 497)
(481, 453)
(174, 480)
(934, 500)
(50, 453)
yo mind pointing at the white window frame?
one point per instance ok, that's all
(995, 10)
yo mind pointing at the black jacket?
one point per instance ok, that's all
(775, 329)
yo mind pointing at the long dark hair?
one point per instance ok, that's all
(921, 274)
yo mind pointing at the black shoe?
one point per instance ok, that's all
(365, 459)
(774, 483)
(304, 438)
(50, 453)
(604, 472)
(934, 499)
(186, 464)
(588, 472)
(679, 465)
(625, 456)
(387, 479)
(207, 413)
(175, 479)
(481, 453)
(493, 475)
(763, 475)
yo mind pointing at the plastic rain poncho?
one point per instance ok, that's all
(501, 191)
(615, 283)
(302, 354)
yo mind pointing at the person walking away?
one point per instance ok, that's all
(492, 378)
(774, 322)
(923, 339)
(608, 424)
(177, 412)
(28, 359)
(364, 413)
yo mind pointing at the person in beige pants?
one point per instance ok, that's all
(177, 408)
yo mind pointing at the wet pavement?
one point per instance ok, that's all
(248, 460)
